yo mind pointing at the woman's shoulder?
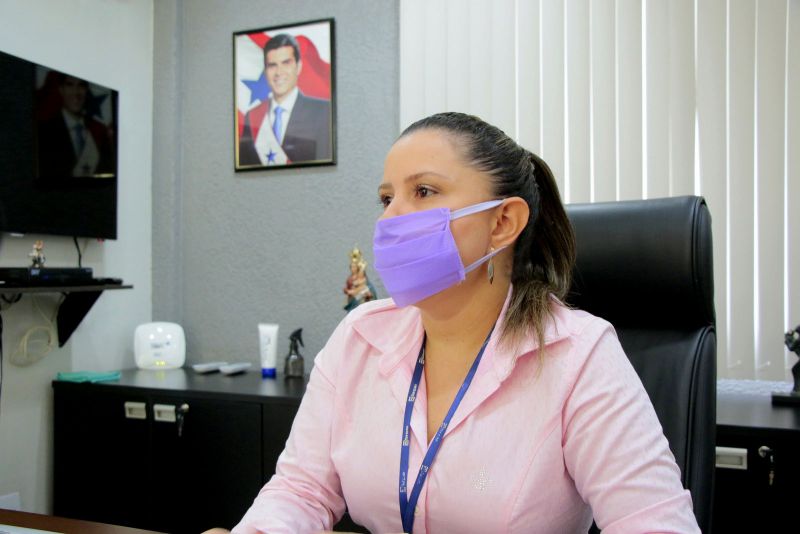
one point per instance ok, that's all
(578, 337)
(592, 343)
(576, 324)
(570, 336)
(585, 348)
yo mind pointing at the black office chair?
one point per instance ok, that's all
(646, 266)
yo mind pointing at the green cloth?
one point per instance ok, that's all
(88, 376)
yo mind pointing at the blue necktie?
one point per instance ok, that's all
(277, 126)
(81, 140)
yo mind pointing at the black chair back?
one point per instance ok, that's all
(646, 266)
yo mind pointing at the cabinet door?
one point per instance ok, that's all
(750, 500)
(207, 475)
(100, 456)
(278, 419)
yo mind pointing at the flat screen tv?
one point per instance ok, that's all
(58, 152)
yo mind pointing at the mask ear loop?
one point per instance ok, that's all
(475, 208)
(489, 256)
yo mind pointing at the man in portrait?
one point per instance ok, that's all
(72, 143)
(301, 124)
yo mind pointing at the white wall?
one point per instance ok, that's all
(109, 42)
(627, 99)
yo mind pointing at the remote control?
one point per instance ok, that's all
(235, 368)
(210, 367)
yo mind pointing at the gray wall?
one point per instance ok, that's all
(230, 249)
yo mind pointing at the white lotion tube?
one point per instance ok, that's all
(268, 345)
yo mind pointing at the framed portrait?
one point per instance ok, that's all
(284, 96)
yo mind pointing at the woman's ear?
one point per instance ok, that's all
(510, 220)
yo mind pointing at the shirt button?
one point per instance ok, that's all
(417, 511)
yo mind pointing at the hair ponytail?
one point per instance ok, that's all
(543, 257)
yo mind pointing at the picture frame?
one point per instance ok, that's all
(285, 96)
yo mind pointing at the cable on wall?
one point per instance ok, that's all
(24, 355)
(78, 248)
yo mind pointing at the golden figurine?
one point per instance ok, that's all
(37, 255)
(358, 287)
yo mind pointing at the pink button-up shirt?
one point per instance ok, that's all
(537, 445)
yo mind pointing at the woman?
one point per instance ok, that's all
(474, 400)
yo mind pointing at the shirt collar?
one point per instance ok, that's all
(403, 339)
(288, 102)
(393, 342)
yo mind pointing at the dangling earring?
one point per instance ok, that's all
(490, 269)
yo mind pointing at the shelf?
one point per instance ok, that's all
(247, 386)
(78, 300)
(60, 289)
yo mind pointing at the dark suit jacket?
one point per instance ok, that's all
(56, 157)
(308, 134)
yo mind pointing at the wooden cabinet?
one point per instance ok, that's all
(757, 492)
(120, 459)
(124, 456)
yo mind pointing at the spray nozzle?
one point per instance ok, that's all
(296, 337)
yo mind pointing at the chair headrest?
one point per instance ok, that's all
(644, 263)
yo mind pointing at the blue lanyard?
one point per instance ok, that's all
(409, 503)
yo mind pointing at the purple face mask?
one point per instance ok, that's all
(416, 255)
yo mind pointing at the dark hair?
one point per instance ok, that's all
(62, 79)
(281, 40)
(544, 252)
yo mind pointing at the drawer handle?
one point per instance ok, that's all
(167, 413)
(731, 458)
(135, 410)
(164, 413)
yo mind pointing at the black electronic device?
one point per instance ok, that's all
(58, 152)
(792, 398)
(46, 276)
